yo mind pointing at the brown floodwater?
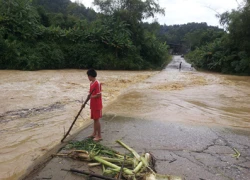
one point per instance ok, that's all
(37, 107)
(188, 96)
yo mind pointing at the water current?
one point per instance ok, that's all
(37, 107)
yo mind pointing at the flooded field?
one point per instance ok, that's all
(37, 107)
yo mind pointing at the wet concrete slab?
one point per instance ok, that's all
(194, 152)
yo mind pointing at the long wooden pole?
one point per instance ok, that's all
(89, 174)
(120, 174)
(83, 105)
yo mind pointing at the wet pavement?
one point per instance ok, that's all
(189, 121)
(192, 152)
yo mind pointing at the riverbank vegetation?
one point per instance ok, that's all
(42, 34)
(229, 53)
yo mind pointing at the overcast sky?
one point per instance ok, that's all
(185, 11)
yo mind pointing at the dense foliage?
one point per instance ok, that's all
(190, 35)
(44, 34)
(231, 52)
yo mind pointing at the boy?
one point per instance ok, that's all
(95, 104)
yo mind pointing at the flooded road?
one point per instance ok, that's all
(38, 107)
(188, 96)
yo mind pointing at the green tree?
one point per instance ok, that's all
(55, 6)
(19, 18)
(132, 9)
(42, 34)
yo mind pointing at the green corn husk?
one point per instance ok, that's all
(137, 156)
(138, 167)
(144, 161)
(111, 160)
(135, 162)
(110, 172)
(119, 156)
(118, 161)
(99, 159)
(90, 146)
(155, 176)
(167, 177)
(103, 168)
(93, 164)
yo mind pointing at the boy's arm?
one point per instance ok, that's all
(88, 98)
(98, 91)
(97, 95)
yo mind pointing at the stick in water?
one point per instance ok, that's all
(87, 99)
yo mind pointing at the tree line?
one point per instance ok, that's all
(190, 35)
(44, 34)
(229, 53)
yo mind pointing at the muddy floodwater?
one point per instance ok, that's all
(37, 107)
(188, 96)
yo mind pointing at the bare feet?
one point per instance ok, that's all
(91, 136)
(96, 139)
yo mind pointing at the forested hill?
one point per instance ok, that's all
(190, 35)
(65, 8)
(177, 33)
(55, 6)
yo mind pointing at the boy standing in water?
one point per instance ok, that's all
(95, 104)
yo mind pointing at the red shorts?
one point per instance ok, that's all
(96, 114)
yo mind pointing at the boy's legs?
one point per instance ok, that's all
(95, 115)
(92, 114)
(97, 128)
(94, 132)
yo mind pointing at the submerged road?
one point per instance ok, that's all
(192, 122)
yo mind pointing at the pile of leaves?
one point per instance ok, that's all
(91, 146)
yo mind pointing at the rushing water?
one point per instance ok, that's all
(37, 107)
(188, 96)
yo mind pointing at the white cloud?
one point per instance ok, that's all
(87, 3)
(185, 11)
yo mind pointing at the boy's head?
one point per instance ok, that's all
(92, 73)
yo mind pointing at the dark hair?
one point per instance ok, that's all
(92, 73)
